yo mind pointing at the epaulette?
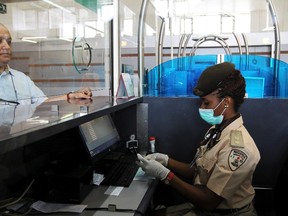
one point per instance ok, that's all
(236, 139)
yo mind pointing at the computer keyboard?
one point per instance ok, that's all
(122, 172)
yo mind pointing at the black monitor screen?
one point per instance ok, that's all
(100, 136)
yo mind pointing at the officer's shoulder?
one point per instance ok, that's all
(236, 139)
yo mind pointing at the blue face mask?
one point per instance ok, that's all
(208, 115)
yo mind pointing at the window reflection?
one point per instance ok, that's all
(43, 33)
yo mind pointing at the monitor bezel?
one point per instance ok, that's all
(92, 159)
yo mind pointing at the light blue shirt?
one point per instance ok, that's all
(17, 86)
(12, 114)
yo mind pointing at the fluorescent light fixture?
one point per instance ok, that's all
(27, 40)
(56, 5)
(269, 28)
(123, 43)
(266, 41)
(66, 39)
(32, 39)
(89, 26)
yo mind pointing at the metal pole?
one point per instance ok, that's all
(160, 41)
(186, 44)
(141, 46)
(276, 28)
(238, 43)
(247, 50)
(181, 44)
(277, 45)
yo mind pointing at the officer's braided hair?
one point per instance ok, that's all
(234, 86)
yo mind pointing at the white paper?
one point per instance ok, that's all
(125, 87)
(114, 191)
(97, 178)
(57, 207)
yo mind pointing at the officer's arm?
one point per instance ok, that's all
(180, 168)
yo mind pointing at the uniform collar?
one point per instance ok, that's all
(214, 134)
(238, 122)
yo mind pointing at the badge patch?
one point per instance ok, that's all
(236, 159)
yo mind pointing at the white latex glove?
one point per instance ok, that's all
(161, 158)
(152, 167)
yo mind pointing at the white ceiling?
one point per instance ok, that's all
(188, 8)
(172, 8)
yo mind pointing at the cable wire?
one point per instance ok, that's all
(22, 195)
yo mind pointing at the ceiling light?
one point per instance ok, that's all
(269, 28)
(66, 39)
(27, 40)
(32, 39)
(56, 5)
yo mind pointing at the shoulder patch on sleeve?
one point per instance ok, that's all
(236, 139)
(236, 158)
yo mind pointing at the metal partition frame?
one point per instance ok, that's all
(215, 38)
(277, 43)
(141, 45)
(160, 41)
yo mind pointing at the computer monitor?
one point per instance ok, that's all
(99, 136)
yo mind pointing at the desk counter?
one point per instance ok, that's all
(24, 124)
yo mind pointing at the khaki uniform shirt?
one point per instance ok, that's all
(227, 168)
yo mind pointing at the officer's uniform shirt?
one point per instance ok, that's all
(227, 168)
(16, 86)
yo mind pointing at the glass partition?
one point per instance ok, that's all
(62, 45)
(245, 32)
(128, 21)
(265, 77)
(139, 35)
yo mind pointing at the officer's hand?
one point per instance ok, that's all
(161, 158)
(152, 167)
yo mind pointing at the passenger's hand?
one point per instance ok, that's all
(161, 158)
(152, 167)
(81, 101)
(84, 93)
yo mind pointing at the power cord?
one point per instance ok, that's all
(19, 198)
(12, 202)
(16, 213)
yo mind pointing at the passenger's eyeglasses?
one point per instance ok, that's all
(8, 40)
